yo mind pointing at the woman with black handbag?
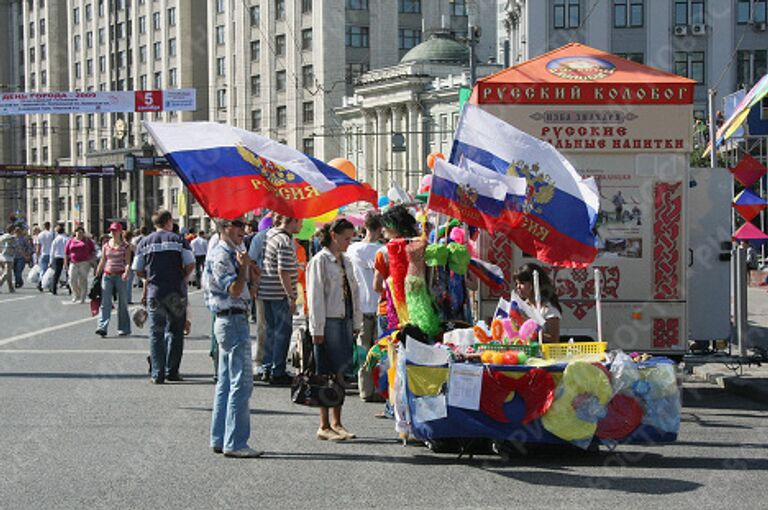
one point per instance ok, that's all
(335, 316)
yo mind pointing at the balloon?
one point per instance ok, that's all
(383, 201)
(307, 230)
(426, 183)
(345, 166)
(265, 223)
(326, 217)
(434, 156)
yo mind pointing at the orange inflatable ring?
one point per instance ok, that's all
(497, 330)
(481, 335)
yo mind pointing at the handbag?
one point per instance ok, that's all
(314, 390)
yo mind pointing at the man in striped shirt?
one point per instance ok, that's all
(277, 289)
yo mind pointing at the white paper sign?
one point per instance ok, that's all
(429, 408)
(422, 354)
(464, 385)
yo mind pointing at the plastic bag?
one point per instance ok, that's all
(48, 276)
(624, 372)
(33, 277)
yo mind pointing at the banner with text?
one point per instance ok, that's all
(30, 103)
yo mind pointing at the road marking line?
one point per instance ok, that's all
(90, 351)
(6, 341)
(17, 299)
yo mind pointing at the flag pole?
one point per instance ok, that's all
(537, 300)
(599, 304)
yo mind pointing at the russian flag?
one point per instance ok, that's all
(559, 212)
(473, 194)
(231, 171)
(490, 274)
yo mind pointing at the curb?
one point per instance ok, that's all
(756, 390)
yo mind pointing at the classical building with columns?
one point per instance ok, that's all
(397, 115)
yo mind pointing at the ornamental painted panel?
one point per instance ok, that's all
(666, 332)
(576, 287)
(500, 252)
(668, 201)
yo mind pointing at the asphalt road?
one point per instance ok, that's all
(81, 428)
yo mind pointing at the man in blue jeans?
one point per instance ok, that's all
(164, 259)
(227, 296)
(278, 290)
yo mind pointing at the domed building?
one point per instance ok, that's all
(397, 115)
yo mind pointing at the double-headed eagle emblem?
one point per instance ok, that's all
(271, 171)
(540, 189)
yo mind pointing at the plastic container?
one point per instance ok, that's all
(558, 351)
(532, 351)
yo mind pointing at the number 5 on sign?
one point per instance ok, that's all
(149, 100)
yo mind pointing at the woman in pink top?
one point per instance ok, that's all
(114, 267)
(77, 257)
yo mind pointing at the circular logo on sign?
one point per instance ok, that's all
(581, 68)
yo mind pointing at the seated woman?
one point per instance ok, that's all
(550, 306)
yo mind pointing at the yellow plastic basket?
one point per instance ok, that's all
(558, 351)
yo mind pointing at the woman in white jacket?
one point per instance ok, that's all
(334, 315)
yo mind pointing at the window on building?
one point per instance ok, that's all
(143, 53)
(221, 99)
(567, 13)
(156, 21)
(143, 82)
(357, 36)
(221, 66)
(157, 80)
(35, 203)
(79, 148)
(89, 67)
(751, 11)
(410, 6)
(172, 77)
(689, 12)
(308, 146)
(279, 9)
(634, 57)
(280, 45)
(307, 76)
(32, 55)
(256, 85)
(101, 8)
(172, 17)
(42, 27)
(121, 30)
(220, 5)
(76, 16)
(409, 38)
(157, 50)
(45, 154)
(43, 78)
(33, 156)
(354, 71)
(760, 14)
(104, 144)
(89, 40)
(628, 13)
(31, 31)
(172, 47)
(306, 39)
(121, 62)
(690, 65)
(102, 36)
(32, 80)
(33, 129)
(357, 5)
(91, 145)
(88, 12)
(459, 8)
(306, 6)
(78, 70)
(280, 80)
(750, 67)
(308, 112)
(282, 116)
(256, 120)
(220, 35)
(255, 13)
(76, 42)
(44, 128)
(255, 51)
(142, 24)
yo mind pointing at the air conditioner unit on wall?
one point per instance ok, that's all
(681, 30)
(760, 27)
(699, 29)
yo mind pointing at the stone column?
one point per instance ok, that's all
(381, 165)
(413, 171)
(367, 172)
(398, 167)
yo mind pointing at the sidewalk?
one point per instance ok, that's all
(749, 381)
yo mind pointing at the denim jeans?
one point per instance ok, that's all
(18, 268)
(279, 328)
(129, 285)
(231, 420)
(110, 282)
(44, 262)
(167, 314)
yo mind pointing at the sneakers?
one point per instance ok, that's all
(174, 378)
(102, 333)
(329, 435)
(245, 453)
(344, 432)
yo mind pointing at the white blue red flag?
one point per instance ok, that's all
(475, 195)
(489, 274)
(231, 171)
(559, 212)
